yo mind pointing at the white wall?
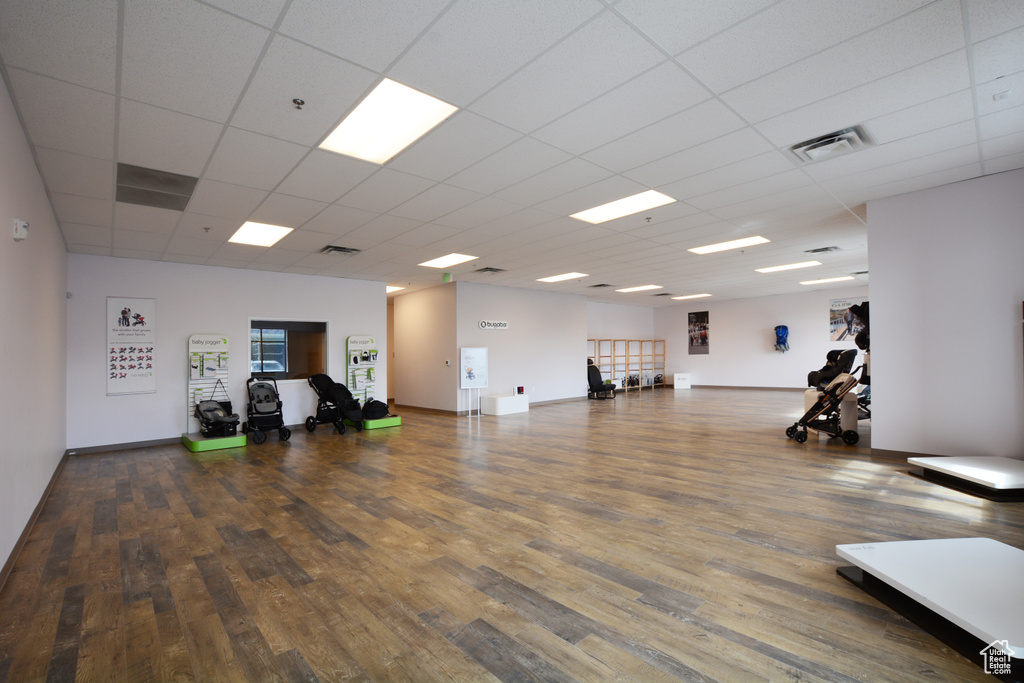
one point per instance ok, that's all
(192, 300)
(947, 274)
(33, 280)
(742, 338)
(615, 321)
(543, 349)
(425, 338)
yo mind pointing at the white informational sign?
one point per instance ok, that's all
(362, 366)
(207, 364)
(473, 368)
(131, 345)
(493, 324)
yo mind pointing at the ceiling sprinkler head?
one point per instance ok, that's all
(298, 102)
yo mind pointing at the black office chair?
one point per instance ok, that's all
(598, 388)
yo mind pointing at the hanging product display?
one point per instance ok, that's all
(361, 377)
(208, 375)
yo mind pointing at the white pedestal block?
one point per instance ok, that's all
(681, 380)
(847, 408)
(504, 404)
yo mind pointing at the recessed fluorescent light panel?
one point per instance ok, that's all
(690, 296)
(643, 288)
(789, 266)
(623, 207)
(827, 280)
(564, 276)
(392, 288)
(734, 244)
(259, 234)
(449, 260)
(391, 118)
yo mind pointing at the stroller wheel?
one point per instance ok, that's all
(791, 431)
(284, 433)
(258, 436)
(850, 437)
(800, 436)
(311, 424)
(340, 426)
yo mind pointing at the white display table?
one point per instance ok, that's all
(505, 404)
(991, 477)
(976, 584)
(681, 380)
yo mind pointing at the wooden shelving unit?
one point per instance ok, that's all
(643, 360)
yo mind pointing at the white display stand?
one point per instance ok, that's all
(991, 477)
(681, 380)
(975, 584)
(847, 408)
(505, 404)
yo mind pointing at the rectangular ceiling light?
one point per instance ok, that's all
(827, 280)
(639, 289)
(392, 288)
(259, 234)
(789, 266)
(690, 296)
(449, 260)
(391, 118)
(564, 276)
(623, 207)
(724, 246)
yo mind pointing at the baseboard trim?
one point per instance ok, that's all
(90, 450)
(5, 573)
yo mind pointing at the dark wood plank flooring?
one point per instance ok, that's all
(654, 537)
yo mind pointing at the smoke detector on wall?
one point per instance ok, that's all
(831, 145)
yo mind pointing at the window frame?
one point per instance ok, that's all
(288, 324)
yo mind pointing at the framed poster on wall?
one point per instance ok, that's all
(473, 368)
(843, 325)
(131, 346)
(698, 329)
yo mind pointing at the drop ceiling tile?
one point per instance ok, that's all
(325, 176)
(306, 240)
(938, 113)
(223, 262)
(169, 47)
(263, 12)
(385, 190)
(85, 210)
(479, 213)
(75, 233)
(759, 167)
(761, 187)
(72, 41)
(587, 197)
(76, 174)
(140, 241)
(278, 256)
(1005, 163)
(195, 247)
(139, 254)
(755, 209)
(516, 162)
(455, 145)
(330, 87)
(722, 151)
(435, 202)
(244, 253)
(140, 218)
(1001, 123)
(595, 59)
(689, 128)
(473, 45)
(783, 34)
(282, 209)
(553, 182)
(380, 229)
(213, 198)
(923, 83)
(339, 220)
(1010, 90)
(183, 258)
(999, 56)
(424, 235)
(194, 226)
(1005, 145)
(371, 33)
(157, 138)
(64, 116)
(676, 27)
(924, 35)
(992, 17)
(317, 261)
(252, 160)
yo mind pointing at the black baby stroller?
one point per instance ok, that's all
(334, 405)
(215, 417)
(264, 410)
(824, 414)
(836, 363)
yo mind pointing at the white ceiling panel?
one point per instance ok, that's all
(278, 256)
(761, 187)
(325, 176)
(676, 25)
(86, 210)
(283, 209)
(380, 229)
(1004, 145)
(999, 56)
(263, 12)
(339, 220)
(140, 241)
(1006, 122)
(589, 196)
(512, 164)
(251, 160)
(489, 41)
(169, 48)
(1002, 93)
(424, 235)
(938, 113)
(183, 258)
(439, 200)
(992, 17)
(453, 146)
(590, 62)
(371, 33)
(727, 149)
(64, 116)
(554, 182)
(76, 174)
(193, 226)
(306, 240)
(385, 190)
(70, 41)
(157, 138)
(195, 247)
(329, 86)
(139, 218)
(479, 213)
(759, 167)
(214, 198)
(923, 35)
(93, 235)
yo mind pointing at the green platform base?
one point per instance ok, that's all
(393, 421)
(197, 443)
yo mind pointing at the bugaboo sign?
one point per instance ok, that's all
(493, 325)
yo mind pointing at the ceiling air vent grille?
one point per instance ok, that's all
(598, 286)
(831, 145)
(662, 294)
(821, 250)
(332, 249)
(150, 187)
(488, 269)
(860, 272)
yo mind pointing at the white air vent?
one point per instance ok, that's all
(334, 249)
(821, 250)
(831, 145)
